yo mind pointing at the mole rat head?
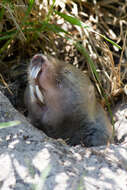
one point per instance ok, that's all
(51, 79)
(60, 89)
(48, 79)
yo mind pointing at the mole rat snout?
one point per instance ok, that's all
(38, 59)
(36, 66)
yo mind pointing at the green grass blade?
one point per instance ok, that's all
(75, 21)
(113, 43)
(52, 27)
(70, 19)
(2, 13)
(84, 52)
(50, 11)
(7, 36)
(43, 177)
(30, 6)
(5, 45)
(9, 124)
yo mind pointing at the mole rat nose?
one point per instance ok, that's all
(38, 59)
(36, 65)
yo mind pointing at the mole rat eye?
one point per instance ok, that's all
(67, 71)
(59, 83)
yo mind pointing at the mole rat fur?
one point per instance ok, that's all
(61, 101)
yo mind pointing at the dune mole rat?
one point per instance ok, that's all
(61, 101)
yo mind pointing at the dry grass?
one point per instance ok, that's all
(28, 27)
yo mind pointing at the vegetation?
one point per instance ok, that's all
(88, 34)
